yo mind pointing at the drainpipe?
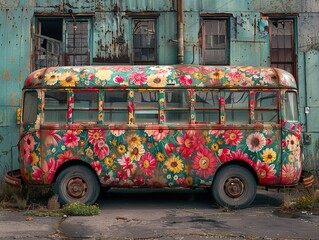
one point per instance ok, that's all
(180, 31)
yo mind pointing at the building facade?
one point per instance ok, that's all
(40, 33)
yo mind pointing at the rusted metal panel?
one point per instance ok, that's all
(74, 6)
(284, 6)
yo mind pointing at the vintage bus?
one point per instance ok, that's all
(227, 129)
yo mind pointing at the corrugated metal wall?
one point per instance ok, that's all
(112, 39)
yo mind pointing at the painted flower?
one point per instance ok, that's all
(103, 74)
(133, 139)
(116, 132)
(158, 134)
(205, 163)
(233, 137)
(154, 80)
(136, 151)
(192, 140)
(292, 142)
(51, 78)
(96, 135)
(52, 138)
(288, 174)
(169, 148)
(29, 142)
(269, 155)
(137, 78)
(127, 165)
(66, 156)
(224, 154)
(147, 164)
(68, 79)
(97, 166)
(266, 173)
(121, 149)
(45, 172)
(174, 164)
(118, 79)
(160, 157)
(255, 141)
(185, 80)
(71, 139)
(101, 149)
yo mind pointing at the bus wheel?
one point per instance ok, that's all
(234, 187)
(77, 183)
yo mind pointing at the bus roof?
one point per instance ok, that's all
(159, 76)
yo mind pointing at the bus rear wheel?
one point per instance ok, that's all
(77, 183)
(234, 187)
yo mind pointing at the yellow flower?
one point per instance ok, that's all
(113, 155)
(68, 79)
(215, 147)
(35, 159)
(189, 181)
(136, 152)
(156, 81)
(121, 149)
(174, 164)
(291, 158)
(134, 140)
(269, 155)
(108, 161)
(114, 142)
(198, 75)
(52, 77)
(104, 74)
(160, 157)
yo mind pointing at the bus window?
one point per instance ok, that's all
(177, 106)
(55, 107)
(85, 106)
(207, 106)
(291, 107)
(146, 107)
(266, 107)
(115, 106)
(30, 106)
(237, 106)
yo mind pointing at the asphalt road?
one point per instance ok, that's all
(167, 215)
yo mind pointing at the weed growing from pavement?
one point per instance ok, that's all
(81, 209)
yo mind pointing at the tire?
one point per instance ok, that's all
(77, 184)
(234, 187)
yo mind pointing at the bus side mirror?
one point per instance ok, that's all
(18, 116)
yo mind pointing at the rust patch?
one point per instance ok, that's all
(20, 76)
(12, 59)
(7, 75)
(12, 99)
(111, 60)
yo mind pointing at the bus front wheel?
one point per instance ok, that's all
(77, 183)
(234, 187)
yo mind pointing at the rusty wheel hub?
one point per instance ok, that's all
(234, 187)
(76, 187)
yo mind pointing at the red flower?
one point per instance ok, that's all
(97, 167)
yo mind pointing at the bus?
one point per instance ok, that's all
(227, 129)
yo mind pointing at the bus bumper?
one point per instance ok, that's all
(13, 178)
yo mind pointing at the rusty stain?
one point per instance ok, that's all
(11, 99)
(20, 76)
(12, 59)
(7, 75)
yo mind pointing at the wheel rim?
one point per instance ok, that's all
(76, 187)
(234, 187)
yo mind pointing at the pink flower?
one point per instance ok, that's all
(97, 166)
(255, 142)
(71, 139)
(288, 174)
(233, 137)
(119, 79)
(158, 134)
(187, 69)
(96, 135)
(205, 163)
(224, 154)
(29, 142)
(44, 173)
(52, 138)
(147, 164)
(139, 180)
(127, 165)
(185, 80)
(192, 140)
(137, 78)
(121, 175)
(101, 149)
(122, 68)
(66, 156)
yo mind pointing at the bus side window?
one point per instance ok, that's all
(85, 106)
(30, 106)
(146, 107)
(266, 107)
(55, 107)
(115, 106)
(237, 106)
(177, 106)
(207, 106)
(291, 107)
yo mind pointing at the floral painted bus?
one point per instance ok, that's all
(227, 129)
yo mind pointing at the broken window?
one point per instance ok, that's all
(53, 47)
(144, 41)
(215, 41)
(282, 53)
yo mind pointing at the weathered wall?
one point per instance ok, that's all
(111, 41)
